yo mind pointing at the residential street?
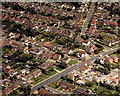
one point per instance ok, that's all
(88, 17)
(46, 81)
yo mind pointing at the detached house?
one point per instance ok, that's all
(86, 43)
(82, 55)
(34, 74)
(83, 69)
(115, 58)
(80, 91)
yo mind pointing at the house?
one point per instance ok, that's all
(71, 87)
(11, 88)
(80, 91)
(115, 58)
(70, 76)
(86, 43)
(48, 45)
(78, 40)
(80, 82)
(64, 50)
(66, 60)
(57, 82)
(31, 75)
(44, 92)
(45, 65)
(37, 73)
(28, 78)
(56, 57)
(82, 55)
(113, 79)
(108, 60)
(64, 84)
(83, 68)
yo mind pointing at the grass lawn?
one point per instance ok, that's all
(118, 62)
(58, 68)
(38, 79)
(102, 33)
(43, 77)
(116, 93)
(113, 55)
(50, 72)
(52, 84)
(72, 62)
(53, 42)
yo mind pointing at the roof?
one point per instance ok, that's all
(56, 56)
(44, 91)
(83, 68)
(37, 72)
(80, 89)
(10, 88)
(71, 86)
(64, 83)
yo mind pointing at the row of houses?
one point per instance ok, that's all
(110, 59)
(72, 88)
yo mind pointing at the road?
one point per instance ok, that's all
(88, 17)
(46, 81)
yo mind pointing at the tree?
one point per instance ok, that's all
(89, 84)
(3, 76)
(26, 90)
(118, 22)
(11, 78)
(117, 88)
(63, 65)
(106, 71)
(107, 65)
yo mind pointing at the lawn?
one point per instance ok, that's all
(58, 68)
(53, 42)
(72, 62)
(38, 79)
(113, 55)
(102, 33)
(52, 84)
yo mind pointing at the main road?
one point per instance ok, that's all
(69, 69)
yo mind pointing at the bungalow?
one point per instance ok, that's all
(80, 91)
(64, 50)
(64, 84)
(82, 55)
(44, 92)
(70, 76)
(28, 78)
(86, 43)
(71, 87)
(45, 65)
(34, 74)
(37, 73)
(83, 69)
(115, 58)
(78, 40)
(56, 57)
(57, 82)
(108, 60)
